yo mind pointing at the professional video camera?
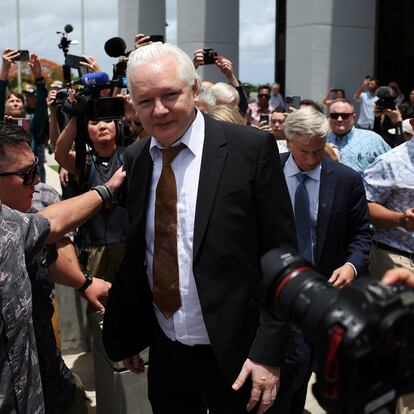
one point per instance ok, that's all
(89, 102)
(363, 334)
(116, 47)
(64, 44)
(385, 100)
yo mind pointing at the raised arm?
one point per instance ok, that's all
(63, 148)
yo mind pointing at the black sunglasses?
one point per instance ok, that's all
(263, 95)
(29, 175)
(336, 115)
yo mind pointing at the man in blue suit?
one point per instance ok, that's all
(332, 226)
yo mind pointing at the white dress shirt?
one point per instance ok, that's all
(187, 324)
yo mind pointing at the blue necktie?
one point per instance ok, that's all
(303, 219)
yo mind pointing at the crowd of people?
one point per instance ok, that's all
(167, 213)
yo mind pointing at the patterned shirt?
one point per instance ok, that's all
(21, 237)
(389, 181)
(254, 111)
(359, 147)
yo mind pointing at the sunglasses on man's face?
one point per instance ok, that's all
(29, 175)
(264, 95)
(336, 115)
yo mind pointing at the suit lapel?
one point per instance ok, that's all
(139, 184)
(212, 164)
(326, 197)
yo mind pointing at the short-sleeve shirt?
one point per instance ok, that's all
(359, 147)
(254, 111)
(21, 237)
(389, 181)
(366, 111)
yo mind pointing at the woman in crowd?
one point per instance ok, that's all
(102, 237)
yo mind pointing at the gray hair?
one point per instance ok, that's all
(304, 124)
(206, 95)
(154, 52)
(225, 94)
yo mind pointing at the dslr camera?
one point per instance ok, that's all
(363, 334)
(385, 99)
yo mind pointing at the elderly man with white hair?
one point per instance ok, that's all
(206, 200)
(332, 228)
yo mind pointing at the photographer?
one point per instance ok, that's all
(12, 104)
(226, 68)
(333, 94)
(388, 116)
(102, 238)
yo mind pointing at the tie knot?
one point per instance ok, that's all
(168, 154)
(302, 177)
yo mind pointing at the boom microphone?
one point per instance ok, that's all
(93, 79)
(115, 47)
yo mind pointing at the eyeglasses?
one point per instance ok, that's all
(336, 115)
(263, 95)
(29, 175)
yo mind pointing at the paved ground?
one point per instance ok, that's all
(82, 364)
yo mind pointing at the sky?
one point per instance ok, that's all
(41, 19)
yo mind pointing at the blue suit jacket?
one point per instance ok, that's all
(343, 231)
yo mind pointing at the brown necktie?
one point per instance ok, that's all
(165, 263)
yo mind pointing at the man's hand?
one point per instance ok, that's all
(8, 56)
(407, 219)
(91, 63)
(226, 67)
(399, 275)
(135, 364)
(34, 64)
(63, 177)
(342, 276)
(141, 39)
(265, 383)
(51, 99)
(116, 182)
(99, 288)
(198, 58)
(394, 115)
(263, 126)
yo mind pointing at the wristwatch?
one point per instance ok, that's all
(88, 282)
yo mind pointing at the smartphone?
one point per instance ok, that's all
(23, 57)
(73, 61)
(292, 102)
(107, 109)
(264, 118)
(156, 38)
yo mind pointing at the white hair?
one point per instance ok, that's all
(154, 52)
(225, 94)
(304, 124)
(206, 95)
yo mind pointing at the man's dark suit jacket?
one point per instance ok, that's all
(343, 232)
(242, 211)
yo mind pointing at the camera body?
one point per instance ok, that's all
(363, 334)
(292, 102)
(386, 103)
(209, 56)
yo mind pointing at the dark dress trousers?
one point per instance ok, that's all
(242, 211)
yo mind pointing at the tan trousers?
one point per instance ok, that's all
(382, 260)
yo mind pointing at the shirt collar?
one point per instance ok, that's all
(291, 169)
(192, 138)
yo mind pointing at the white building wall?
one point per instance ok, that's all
(329, 43)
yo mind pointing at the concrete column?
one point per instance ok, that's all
(209, 23)
(140, 16)
(328, 44)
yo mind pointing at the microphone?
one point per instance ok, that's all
(115, 47)
(93, 79)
